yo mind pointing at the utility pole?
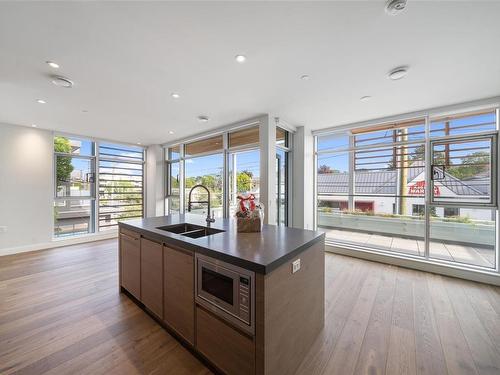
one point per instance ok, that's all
(403, 171)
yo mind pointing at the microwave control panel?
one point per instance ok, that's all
(244, 301)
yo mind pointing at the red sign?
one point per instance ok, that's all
(418, 188)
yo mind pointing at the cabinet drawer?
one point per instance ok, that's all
(130, 233)
(227, 348)
(130, 265)
(152, 276)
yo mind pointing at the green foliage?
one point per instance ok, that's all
(250, 173)
(470, 166)
(63, 163)
(457, 219)
(123, 190)
(213, 182)
(243, 182)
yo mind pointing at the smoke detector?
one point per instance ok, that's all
(394, 7)
(61, 81)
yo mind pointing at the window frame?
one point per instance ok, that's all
(464, 110)
(493, 138)
(117, 159)
(92, 197)
(95, 159)
(226, 150)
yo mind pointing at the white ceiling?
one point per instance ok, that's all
(127, 58)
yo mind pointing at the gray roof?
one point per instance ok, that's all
(385, 182)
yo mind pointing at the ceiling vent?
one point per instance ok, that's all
(394, 7)
(61, 81)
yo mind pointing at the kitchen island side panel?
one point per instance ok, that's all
(290, 310)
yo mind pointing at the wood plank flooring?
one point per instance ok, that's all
(61, 313)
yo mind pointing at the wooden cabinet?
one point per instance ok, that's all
(152, 276)
(179, 291)
(130, 263)
(231, 351)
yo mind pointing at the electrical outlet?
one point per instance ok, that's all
(295, 265)
(3, 229)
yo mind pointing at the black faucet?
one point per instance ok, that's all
(190, 202)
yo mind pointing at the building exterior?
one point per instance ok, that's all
(377, 193)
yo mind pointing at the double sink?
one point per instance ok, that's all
(190, 230)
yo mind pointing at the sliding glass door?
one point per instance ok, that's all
(244, 172)
(463, 196)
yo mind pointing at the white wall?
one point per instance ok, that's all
(155, 205)
(302, 179)
(267, 187)
(26, 186)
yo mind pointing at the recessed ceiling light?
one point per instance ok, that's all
(41, 101)
(170, 132)
(365, 98)
(394, 7)
(139, 143)
(240, 58)
(202, 118)
(61, 81)
(175, 95)
(304, 77)
(52, 64)
(398, 73)
(34, 125)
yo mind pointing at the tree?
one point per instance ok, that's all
(243, 182)
(418, 154)
(250, 173)
(323, 169)
(123, 190)
(63, 163)
(471, 165)
(209, 181)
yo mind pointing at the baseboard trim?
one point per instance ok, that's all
(486, 277)
(60, 242)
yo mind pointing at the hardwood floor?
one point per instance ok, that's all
(61, 313)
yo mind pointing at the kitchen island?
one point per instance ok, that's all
(246, 303)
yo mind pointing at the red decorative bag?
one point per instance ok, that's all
(250, 215)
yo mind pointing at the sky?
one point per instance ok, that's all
(212, 164)
(339, 141)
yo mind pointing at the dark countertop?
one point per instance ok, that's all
(260, 252)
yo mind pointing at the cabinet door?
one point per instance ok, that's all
(130, 266)
(230, 350)
(152, 276)
(179, 292)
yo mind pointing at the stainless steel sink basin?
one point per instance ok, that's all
(190, 230)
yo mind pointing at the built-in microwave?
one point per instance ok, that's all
(226, 290)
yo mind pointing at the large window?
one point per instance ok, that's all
(121, 184)
(173, 201)
(243, 165)
(228, 164)
(204, 165)
(283, 144)
(207, 171)
(422, 187)
(96, 185)
(244, 176)
(74, 204)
